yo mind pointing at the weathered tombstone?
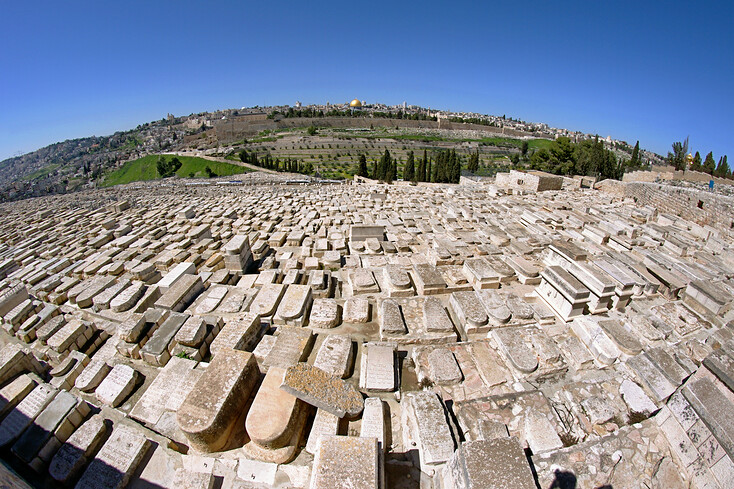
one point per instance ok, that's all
(267, 300)
(489, 464)
(275, 420)
(356, 310)
(335, 355)
(443, 367)
(435, 317)
(25, 412)
(324, 424)
(117, 385)
(344, 462)
(425, 427)
(314, 386)
(292, 345)
(211, 408)
(325, 313)
(238, 334)
(377, 370)
(75, 452)
(392, 322)
(116, 461)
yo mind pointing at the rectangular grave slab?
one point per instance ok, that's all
(424, 423)
(324, 424)
(377, 370)
(14, 392)
(25, 412)
(294, 306)
(267, 300)
(157, 350)
(117, 385)
(427, 279)
(238, 334)
(44, 426)
(344, 462)
(316, 387)
(292, 345)
(391, 319)
(181, 294)
(489, 464)
(208, 413)
(715, 410)
(335, 355)
(75, 452)
(435, 317)
(167, 391)
(116, 461)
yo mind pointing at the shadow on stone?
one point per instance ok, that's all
(564, 480)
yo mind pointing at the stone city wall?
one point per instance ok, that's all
(667, 173)
(701, 207)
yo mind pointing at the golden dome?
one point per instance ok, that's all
(355, 103)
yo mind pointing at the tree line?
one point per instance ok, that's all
(588, 158)
(290, 165)
(678, 158)
(445, 167)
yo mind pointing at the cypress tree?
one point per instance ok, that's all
(709, 165)
(409, 170)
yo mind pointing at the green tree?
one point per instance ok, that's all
(696, 163)
(524, 148)
(678, 157)
(311, 131)
(167, 168)
(473, 164)
(409, 169)
(709, 165)
(722, 169)
(243, 156)
(362, 169)
(209, 172)
(635, 159)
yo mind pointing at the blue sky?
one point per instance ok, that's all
(653, 71)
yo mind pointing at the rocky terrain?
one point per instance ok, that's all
(267, 334)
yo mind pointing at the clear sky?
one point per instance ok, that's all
(653, 71)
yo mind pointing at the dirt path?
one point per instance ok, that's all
(221, 160)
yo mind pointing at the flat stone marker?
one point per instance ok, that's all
(256, 472)
(715, 410)
(518, 307)
(292, 345)
(167, 391)
(598, 343)
(14, 392)
(325, 313)
(427, 279)
(44, 426)
(424, 423)
(469, 310)
(356, 310)
(651, 377)
(624, 338)
(294, 306)
(635, 397)
(275, 417)
(392, 322)
(363, 282)
(75, 452)
(181, 294)
(266, 301)
(513, 345)
(92, 375)
(481, 274)
(25, 412)
(212, 407)
(443, 367)
(95, 287)
(193, 332)
(490, 464)
(157, 351)
(540, 433)
(175, 274)
(316, 387)
(118, 384)
(238, 334)
(377, 370)
(373, 421)
(345, 462)
(722, 366)
(335, 355)
(213, 297)
(126, 299)
(324, 423)
(497, 310)
(398, 281)
(116, 461)
(435, 317)
(102, 301)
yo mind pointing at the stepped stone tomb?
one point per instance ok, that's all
(267, 333)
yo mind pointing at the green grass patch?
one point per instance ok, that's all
(145, 169)
(42, 172)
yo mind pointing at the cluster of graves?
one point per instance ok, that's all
(363, 336)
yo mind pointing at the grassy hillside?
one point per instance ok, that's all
(145, 169)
